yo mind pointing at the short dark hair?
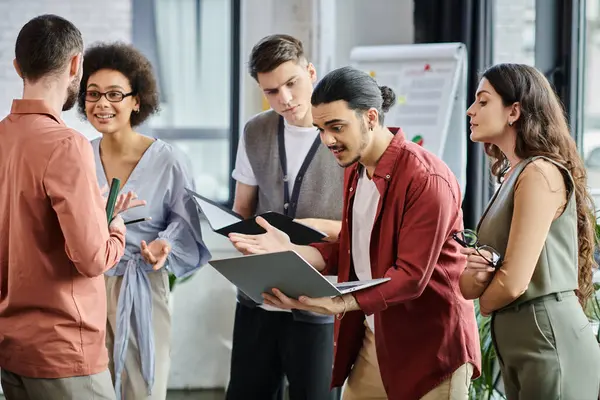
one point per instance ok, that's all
(44, 46)
(355, 87)
(272, 51)
(130, 62)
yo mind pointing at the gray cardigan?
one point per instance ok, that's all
(321, 185)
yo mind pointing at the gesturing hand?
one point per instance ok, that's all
(273, 240)
(124, 201)
(155, 253)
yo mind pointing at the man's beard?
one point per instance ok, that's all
(364, 142)
(72, 92)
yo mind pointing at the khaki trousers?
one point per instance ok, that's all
(93, 387)
(364, 382)
(133, 386)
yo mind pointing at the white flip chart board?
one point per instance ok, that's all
(430, 82)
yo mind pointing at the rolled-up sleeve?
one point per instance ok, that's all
(330, 253)
(70, 183)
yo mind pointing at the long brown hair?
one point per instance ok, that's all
(542, 130)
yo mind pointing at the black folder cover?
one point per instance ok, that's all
(225, 221)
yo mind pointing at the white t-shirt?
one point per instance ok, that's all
(364, 209)
(298, 141)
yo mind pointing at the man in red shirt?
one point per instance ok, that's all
(414, 336)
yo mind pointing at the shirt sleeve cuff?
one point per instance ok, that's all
(329, 253)
(246, 180)
(370, 300)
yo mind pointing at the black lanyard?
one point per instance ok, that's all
(290, 204)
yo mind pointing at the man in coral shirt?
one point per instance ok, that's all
(414, 336)
(55, 242)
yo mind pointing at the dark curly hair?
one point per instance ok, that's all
(130, 62)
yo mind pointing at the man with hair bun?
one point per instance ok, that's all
(413, 336)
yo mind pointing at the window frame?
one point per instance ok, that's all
(144, 37)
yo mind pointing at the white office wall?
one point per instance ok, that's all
(109, 22)
(371, 22)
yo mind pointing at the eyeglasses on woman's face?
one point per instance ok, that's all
(114, 96)
(469, 239)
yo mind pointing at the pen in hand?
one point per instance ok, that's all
(135, 221)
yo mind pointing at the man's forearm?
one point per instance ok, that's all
(311, 255)
(470, 287)
(329, 227)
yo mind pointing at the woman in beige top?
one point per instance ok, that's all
(540, 225)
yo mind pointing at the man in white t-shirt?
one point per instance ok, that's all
(282, 166)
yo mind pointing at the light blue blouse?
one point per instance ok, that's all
(160, 178)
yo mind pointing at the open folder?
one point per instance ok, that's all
(286, 271)
(225, 221)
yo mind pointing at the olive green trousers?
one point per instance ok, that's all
(547, 350)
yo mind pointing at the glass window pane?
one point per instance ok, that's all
(514, 31)
(193, 40)
(210, 165)
(591, 107)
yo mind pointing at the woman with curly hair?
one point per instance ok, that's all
(118, 93)
(532, 256)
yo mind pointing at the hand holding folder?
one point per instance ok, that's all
(272, 241)
(225, 221)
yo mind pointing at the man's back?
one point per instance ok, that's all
(54, 248)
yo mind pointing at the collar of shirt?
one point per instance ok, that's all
(35, 106)
(386, 164)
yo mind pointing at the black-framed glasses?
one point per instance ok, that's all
(469, 239)
(114, 96)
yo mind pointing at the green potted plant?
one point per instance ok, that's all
(593, 306)
(173, 280)
(485, 387)
(593, 310)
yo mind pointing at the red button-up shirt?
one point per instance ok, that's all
(424, 328)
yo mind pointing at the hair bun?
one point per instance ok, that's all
(388, 96)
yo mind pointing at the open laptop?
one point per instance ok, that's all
(286, 271)
(224, 221)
